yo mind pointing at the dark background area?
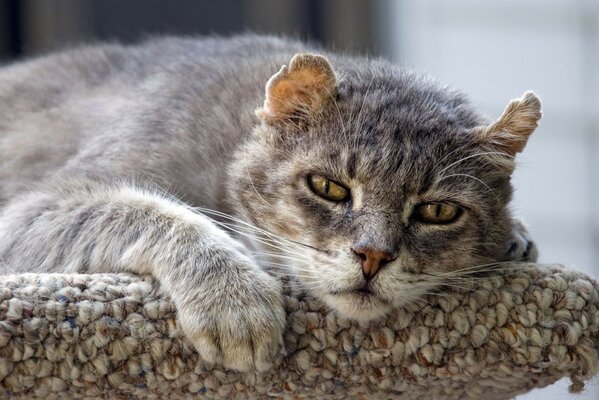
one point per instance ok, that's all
(32, 27)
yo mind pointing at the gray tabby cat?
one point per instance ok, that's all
(365, 181)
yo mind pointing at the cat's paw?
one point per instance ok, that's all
(521, 247)
(235, 317)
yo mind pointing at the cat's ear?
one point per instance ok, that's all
(301, 89)
(510, 132)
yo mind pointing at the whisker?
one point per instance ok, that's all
(480, 267)
(482, 271)
(417, 303)
(467, 176)
(472, 273)
(455, 286)
(474, 155)
(285, 266)
(259, 240)
(264, 231)
(263, 236)
(248, 226)
(260, 257)
(283, 273)
(460, 148)
(444, 282)
(439, 293)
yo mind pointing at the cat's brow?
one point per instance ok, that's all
(352, 160)
(461, 160)
(359, 117)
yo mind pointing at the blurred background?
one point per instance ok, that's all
(492, 50)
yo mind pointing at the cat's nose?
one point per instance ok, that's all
(372, 260)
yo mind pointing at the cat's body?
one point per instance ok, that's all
(202, 92)
(92, 139)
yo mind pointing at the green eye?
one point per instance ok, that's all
(327, 189)
(437, 213)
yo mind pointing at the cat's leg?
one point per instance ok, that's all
(521, 246)
(228, 307)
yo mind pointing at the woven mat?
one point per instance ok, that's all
(115, 336)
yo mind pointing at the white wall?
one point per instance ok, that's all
(495, 51)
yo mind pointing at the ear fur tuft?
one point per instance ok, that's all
(301, 89)
(510, 132)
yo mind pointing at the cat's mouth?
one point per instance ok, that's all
(363, 289)
(364, 292)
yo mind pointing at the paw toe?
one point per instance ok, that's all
(207, 348)
(238, 356)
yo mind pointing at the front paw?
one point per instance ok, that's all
(235, 316)
(521, 247)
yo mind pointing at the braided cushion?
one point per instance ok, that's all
(115, 336)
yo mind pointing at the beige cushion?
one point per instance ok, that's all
(100, 336)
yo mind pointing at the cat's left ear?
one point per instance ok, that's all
(302, 89)
(509, 134)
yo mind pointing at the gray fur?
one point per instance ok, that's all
(106, 150)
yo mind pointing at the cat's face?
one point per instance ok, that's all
(377, 184)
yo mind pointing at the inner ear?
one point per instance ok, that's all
(302, 89)
(510, 132)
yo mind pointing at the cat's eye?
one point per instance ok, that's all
(327, 189)
(437, 213)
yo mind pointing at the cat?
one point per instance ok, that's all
(218, 164)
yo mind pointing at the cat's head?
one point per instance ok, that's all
(377, 181)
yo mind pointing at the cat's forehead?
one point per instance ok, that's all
(392, 120)
(408, 101)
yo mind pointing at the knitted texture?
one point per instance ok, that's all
(116, 336)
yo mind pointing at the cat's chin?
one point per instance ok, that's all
(358, 306)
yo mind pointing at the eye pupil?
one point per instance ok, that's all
(327, 189)
(437, 213)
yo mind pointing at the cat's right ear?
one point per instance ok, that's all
(301, 90)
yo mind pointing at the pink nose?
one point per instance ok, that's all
(372, 260)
